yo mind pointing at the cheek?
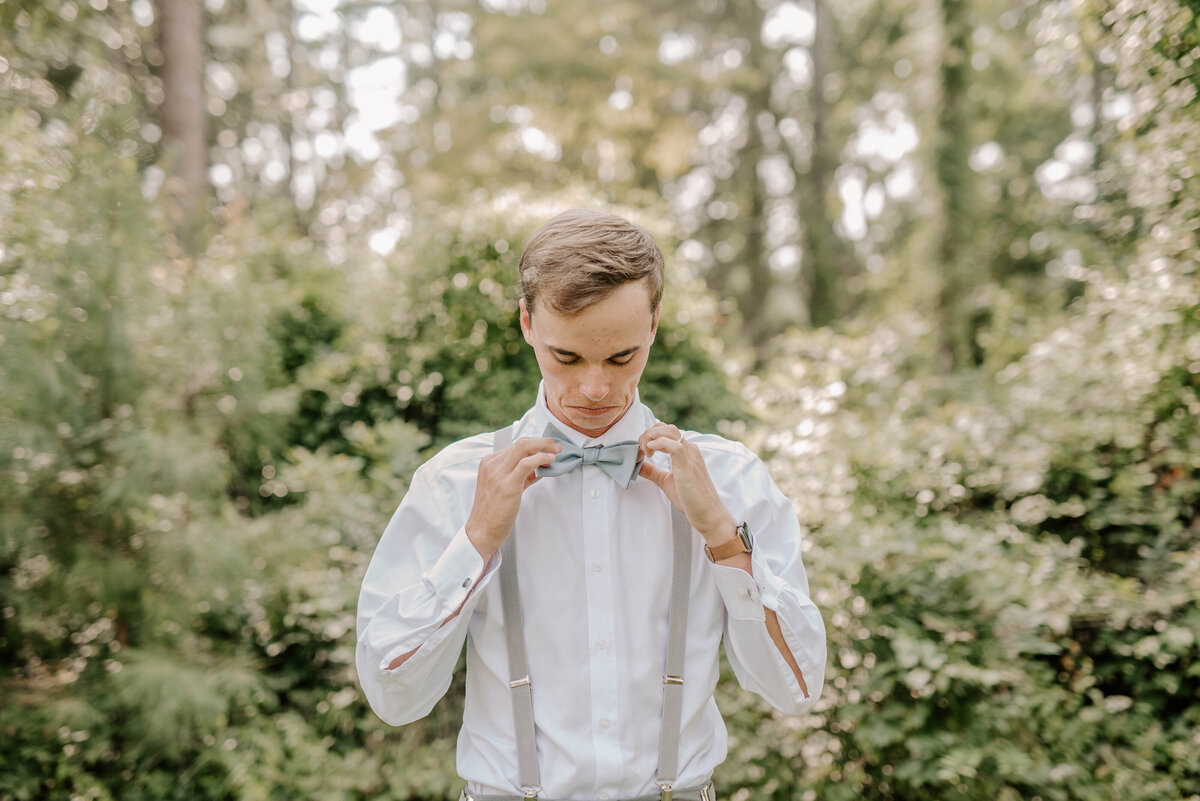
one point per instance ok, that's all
(552, 373)
(636, 372)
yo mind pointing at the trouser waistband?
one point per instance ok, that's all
(704, 793)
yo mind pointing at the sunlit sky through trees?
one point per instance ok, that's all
(884, 136)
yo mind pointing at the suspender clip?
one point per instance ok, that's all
(667, 793)
(531, 792)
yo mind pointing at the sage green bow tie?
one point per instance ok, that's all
(620, 460)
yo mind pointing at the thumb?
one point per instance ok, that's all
(664, 479)
(654, 473)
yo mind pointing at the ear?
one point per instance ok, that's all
(654, 322)
(526, 323)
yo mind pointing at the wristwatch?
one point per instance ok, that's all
(742, 542)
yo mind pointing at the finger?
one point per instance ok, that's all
(663, 444)
(528, 446)
(658, 431)
(654, 473)
(663, 479)
(532, 462)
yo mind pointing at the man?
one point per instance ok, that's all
(598, 691)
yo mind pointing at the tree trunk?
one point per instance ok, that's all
(287, 116)
(181, 40)
(756, 308)
(823, 261)
(954, 177)
(756, 302)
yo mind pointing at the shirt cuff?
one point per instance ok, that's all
(456, 571)
(422, 652)
(743, 599)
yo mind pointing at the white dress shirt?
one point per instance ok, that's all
(594, 567)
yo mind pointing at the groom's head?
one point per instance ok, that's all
(591, 285)
(582, 256)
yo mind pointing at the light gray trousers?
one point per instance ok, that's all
(703, 794)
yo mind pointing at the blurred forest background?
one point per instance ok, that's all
(935, 259)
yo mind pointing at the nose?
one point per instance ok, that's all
(594, 385)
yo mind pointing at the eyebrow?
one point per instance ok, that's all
(572, 355)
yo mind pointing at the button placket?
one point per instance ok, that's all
(597, 539)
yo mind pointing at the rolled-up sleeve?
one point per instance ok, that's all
(423, 569)
(778, 583)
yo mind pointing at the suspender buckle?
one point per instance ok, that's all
(669, 679)
(521, 682)
(532, 791)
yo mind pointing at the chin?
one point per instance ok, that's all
(589, 423)
(595, 425)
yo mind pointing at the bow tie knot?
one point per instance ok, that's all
(619, 460)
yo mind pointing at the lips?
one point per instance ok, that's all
(599, 411)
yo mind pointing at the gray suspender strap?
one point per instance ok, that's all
(518, 667)
(668, 744)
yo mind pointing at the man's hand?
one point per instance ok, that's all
(503, 476)
(687, 483)
(690, 487)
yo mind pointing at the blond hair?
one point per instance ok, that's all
(582, 256)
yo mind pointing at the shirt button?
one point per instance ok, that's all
(601, 644)
(603, 797)
(597, 567)
(744, 594)
(595, 493)
(604, 724)
(466, 583)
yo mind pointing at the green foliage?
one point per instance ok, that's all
(434, 339)
(182, 540)
(1008, 557)
(984, 640)
(197, 455)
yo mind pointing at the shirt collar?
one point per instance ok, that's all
(631, 425)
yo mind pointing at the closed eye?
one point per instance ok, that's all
(567, 358)
(617, 362)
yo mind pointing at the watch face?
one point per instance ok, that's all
(747, 540)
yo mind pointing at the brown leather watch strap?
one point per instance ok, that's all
(726, 549)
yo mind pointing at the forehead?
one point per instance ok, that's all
(618, 322)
